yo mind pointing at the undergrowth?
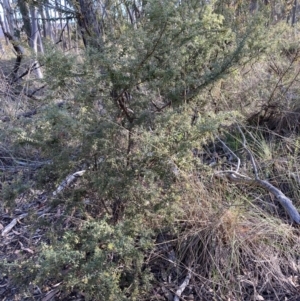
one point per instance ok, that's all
(153, 205)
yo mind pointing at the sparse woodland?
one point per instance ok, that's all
(149, 150)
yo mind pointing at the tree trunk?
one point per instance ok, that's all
(253, 6)
(88, 21)
(49, 33)
(35, 39)
(42, 14)
(294, 13)
(9, 15)
(24, 10)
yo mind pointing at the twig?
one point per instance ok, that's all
(294, 59)
(62, 32)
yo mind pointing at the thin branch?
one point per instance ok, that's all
(282, 76)
(62, 32)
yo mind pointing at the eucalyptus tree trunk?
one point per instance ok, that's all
(9, 16)
(35, 39)
(88, 19)
(49, 33)
(43, 17)
(68, 30)
(288, 9)
(253, 6)
(4, 27)
(133, 11)
(24, 10)
(54, 27)
(294, 10)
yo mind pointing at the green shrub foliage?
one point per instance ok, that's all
(130, 114)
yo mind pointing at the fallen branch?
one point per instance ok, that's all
(69, 179)
(235, 176)
(182, 287)
(285, 202)
(9, 227)
(50, 295)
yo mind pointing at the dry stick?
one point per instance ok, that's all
(285, 202)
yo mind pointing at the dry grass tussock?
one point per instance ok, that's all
(237, 241)
(236, 249)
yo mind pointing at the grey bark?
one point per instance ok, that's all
(49, 33)
(88, 21)
(294, 10)
(285, 202)
(35, 39)
(9, 16)
(42, 14)
(24, 10)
